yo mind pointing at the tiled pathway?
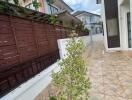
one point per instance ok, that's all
(110, 73)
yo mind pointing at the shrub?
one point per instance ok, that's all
(72, 80)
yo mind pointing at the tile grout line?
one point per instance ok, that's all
(103, 79)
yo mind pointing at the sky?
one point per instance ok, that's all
(84, 5)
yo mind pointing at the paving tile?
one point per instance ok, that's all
(110, 74)
(96, 96)
(114, 98)
(114, 69)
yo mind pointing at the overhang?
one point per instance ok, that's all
(66, 16)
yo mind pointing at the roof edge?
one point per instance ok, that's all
(81, 12)
(67, 5)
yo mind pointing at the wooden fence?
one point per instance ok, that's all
(26, 48)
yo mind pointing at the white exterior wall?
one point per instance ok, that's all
(123, 10)
(86, 39)
(95, 19)
(104, 25)
(62, 44)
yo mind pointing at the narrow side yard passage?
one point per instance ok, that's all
(110, 73)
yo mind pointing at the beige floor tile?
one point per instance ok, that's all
(116, 71)
(97, 96)
(110, 73)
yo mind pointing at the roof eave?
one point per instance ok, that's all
(71, 16)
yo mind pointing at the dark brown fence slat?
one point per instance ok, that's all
(13, 33)
(35, 40)
(26, 48)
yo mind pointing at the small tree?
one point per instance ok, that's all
(72, 80)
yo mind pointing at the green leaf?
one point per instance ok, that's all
(71, 80)
(16, 2)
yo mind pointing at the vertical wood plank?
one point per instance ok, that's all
(13, 32)
(35, 40)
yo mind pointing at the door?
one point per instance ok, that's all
(129, 30)
(112, 24)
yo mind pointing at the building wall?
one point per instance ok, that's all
(95, 19)
(67, 24)
(83, 18)
(88, 20)
(86, 40)
(123, 10)
(58, 4)
(46, 8)
(28, 4)
(104, 24)
(43, 8)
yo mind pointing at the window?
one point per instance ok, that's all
(84, 21)
(52, 9)
(92, 19)
(30, 6)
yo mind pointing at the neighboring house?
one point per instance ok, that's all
(90, 21)
(58, 8)
(116, 15)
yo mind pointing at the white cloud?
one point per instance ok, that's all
(86, 5)
(73, 2)
(98, 11)
(77, 2)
